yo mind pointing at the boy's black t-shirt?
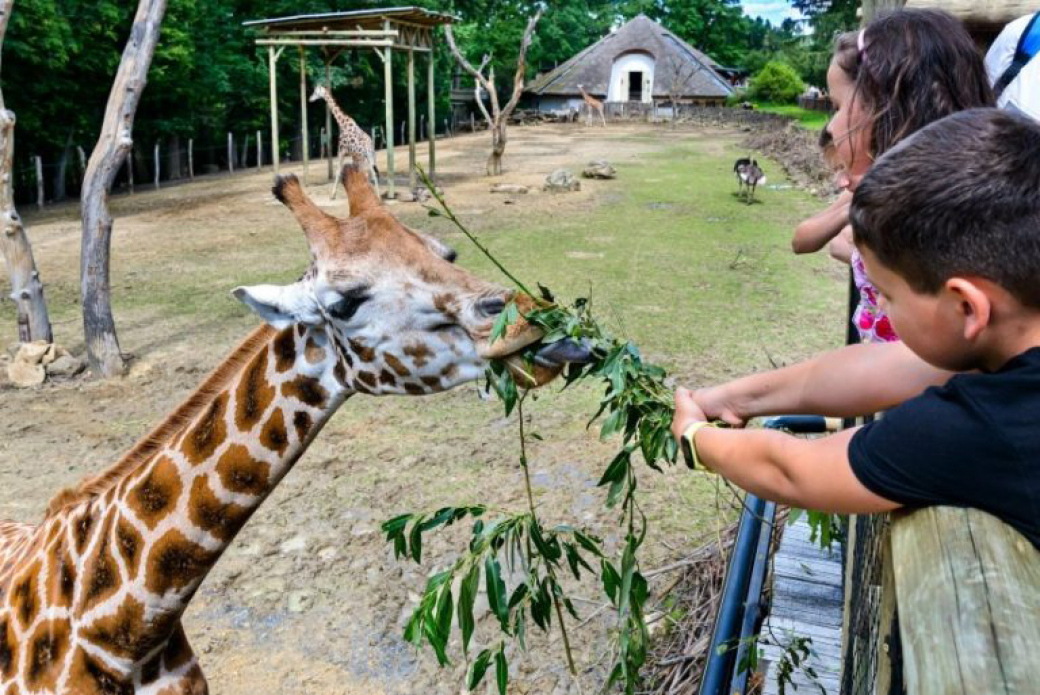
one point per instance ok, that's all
(974, 442)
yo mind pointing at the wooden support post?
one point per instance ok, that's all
(328, 117)
(303, 113)
(191, 158)
(130, 169)
(230, 153)
(259, 150)
(388, 88)
(472, 123)
(411, 120)
(423, 135)
(272, 61)
(156, 156)
(431, 135)
(39, 181)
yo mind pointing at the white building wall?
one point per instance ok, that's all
(623, 65)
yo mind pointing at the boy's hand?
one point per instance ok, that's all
(687, 412)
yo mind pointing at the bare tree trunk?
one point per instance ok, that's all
(498, 117)
(26, 288)
(111, 150)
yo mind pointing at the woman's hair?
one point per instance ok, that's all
(910, 68)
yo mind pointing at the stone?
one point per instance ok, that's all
(25, 375)
(34, 352)
(599, 169)
(509, 188)
(293, 545)
(65, 366)
(561, 181)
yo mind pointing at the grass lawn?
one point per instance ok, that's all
(813, 120)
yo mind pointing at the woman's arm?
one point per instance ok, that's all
(852, 381)
(814, 233)
(842, 245)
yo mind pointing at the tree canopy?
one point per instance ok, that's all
(208, 78)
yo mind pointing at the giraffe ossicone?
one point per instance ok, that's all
(91, 599)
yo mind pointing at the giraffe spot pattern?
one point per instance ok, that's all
(274, 435)
(367, 380)
(174, 562)
(88, 671)
(124, 632)
(240, 472)
(254, 394)
(81, 530)
(208, 433)
(314, 353)
(8, 648)
(363, 352)
(284, 347)
(23, 598)
(47, 648)
(178, 651)
(129, 543)
(385, 377)
(302, 422)
(307, 390)
(397, 365)
(156, 494)
(434, 382)
(210, 514)
(414, 389)
(61, 579)
(101, 573)
(419, 353)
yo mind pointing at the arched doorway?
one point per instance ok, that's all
(632, 77)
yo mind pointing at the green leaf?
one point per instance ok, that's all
(496, 591)
(467, 598)
(611, 580)
(617, 470)
(501, 670)
(478, 669)
(589, 542)
(416, 539)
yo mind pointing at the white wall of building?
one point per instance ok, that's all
(619, 74)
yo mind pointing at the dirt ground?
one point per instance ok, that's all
(309, 599)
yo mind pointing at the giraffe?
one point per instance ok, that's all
(354, 142)
(592, 103)
(91, 599)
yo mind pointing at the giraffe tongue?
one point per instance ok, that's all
(518, 335)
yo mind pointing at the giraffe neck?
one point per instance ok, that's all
(145, 545)
(341, 117)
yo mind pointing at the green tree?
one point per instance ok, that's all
(777, 82)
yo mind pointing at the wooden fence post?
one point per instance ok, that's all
(130, 169)
(39, 181)
(156, 166)
(259, 150)
(472, 123)
(230, 153)
(191, 158)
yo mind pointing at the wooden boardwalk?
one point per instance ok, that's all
(807, 602)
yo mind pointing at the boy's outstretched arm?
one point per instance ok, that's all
(807, 473)
(848, 382)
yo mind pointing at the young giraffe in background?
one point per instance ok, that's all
(593, 104)
(354, 142)
(91, 599)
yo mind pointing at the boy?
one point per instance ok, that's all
(948, 223)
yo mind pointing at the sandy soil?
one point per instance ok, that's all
(309, 598)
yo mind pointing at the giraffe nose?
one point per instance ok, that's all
(492, 306)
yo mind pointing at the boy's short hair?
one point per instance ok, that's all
(961, 197)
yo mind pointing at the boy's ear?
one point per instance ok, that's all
(973, 304)
(280, 305)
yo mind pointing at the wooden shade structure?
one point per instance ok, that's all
(406, 29)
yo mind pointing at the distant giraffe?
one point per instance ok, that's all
(91, 599)
(353, 140)
(592, 103)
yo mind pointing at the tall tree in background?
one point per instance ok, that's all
(498, 117)
(108, 156)
(26, 288)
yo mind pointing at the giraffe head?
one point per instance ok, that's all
(405, 318)
(319, 92)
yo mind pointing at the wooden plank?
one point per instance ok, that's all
(411, 120)
(980, 11)
(968, 602)
(305, 144)
(388, 87)
(272, 61)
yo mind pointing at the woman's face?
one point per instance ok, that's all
(849, 127)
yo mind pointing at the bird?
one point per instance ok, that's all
(749, 176)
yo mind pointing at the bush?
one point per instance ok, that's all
(777, 82)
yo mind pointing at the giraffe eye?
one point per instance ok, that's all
(351, 301)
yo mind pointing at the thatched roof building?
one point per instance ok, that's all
(640, 62)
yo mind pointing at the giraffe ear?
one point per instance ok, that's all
(280, 305)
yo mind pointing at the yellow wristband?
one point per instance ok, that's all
(692, 459)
